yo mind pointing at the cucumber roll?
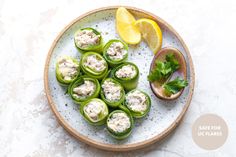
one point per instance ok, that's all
(67, 70)
(138, 103)
(115, 52)
(94, 111)
(120, 124)
(94, 65)
(88, 39)
(84, 88)
(127, 74)
(112, 93)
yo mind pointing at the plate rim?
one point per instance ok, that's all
(113, 147)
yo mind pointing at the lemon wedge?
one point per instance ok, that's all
(151, 33)
(125, 25)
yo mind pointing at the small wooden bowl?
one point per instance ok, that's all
(181, 72)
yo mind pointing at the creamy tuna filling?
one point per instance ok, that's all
(85, 90)
(86, 38)
(119, 122)
(116, 51)
(111, 91)
(94, 109)
(136, 101)
(67, 68)
(127, 71)
(94, 63)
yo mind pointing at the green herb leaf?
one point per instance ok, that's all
(174, 64)
(154, 75)
(173, 87)
(164, 69)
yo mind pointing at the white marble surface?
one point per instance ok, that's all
(27, 29)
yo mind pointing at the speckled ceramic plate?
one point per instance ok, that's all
(164, 115)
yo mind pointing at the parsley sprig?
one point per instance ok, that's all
(173, 87)
(163, 72)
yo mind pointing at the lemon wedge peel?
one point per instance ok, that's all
(151, 33)
(125, 25)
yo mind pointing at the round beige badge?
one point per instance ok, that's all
(209, 131)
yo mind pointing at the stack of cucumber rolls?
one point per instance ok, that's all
(103, 83)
